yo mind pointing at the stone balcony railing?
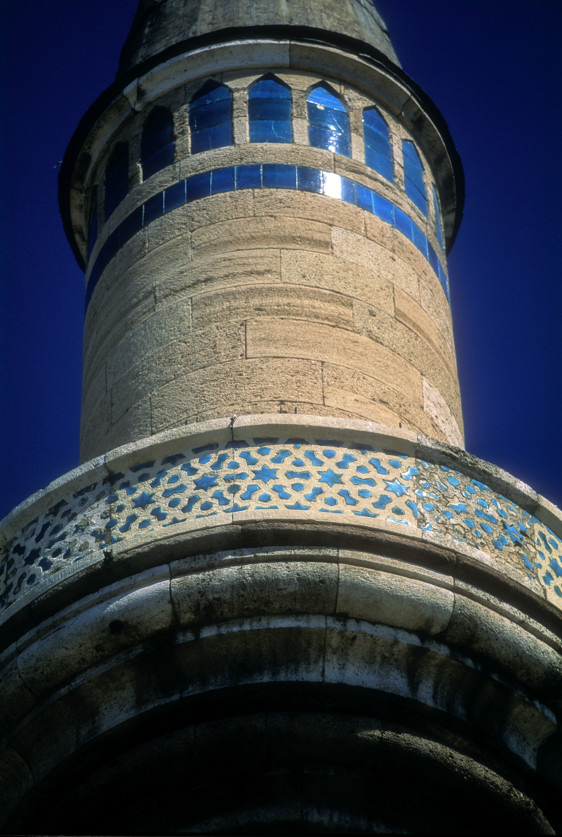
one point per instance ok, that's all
(281, 469)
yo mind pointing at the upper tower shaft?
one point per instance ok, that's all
(263, 205)
(161, 25)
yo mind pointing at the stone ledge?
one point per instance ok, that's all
(306, 470)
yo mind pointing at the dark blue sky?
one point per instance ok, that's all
(493, 67)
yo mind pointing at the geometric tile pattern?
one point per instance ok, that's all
(307, 475)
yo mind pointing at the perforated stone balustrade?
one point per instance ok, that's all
(305, 472)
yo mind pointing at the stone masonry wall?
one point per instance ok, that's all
(267, 300)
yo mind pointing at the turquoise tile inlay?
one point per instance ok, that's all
(308, 475)
(259, 176)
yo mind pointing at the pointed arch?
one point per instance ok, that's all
(116, 178)
(210, 118)
(328, 123)
(378, 150)
(270, 108)
(413, 176)
(157, 142)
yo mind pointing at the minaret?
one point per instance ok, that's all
(277, 596)
(217, 287)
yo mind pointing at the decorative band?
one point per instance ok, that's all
(324, 478)
(264, 176)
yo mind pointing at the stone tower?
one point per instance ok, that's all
(278, 595)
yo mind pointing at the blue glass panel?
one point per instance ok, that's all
(403, 223)
(323, 97)
(364, 197)
(333, 120)
(269, 88)
(336, 121)
(347, 190)
(220, 135)
(417, 198)
(157, 142)
(275, 131)
(159, 160)
(383, 209)
(130, 225)
(320, 137)
(379, 162)
(153, 208)
(269, 111)
(328, 122)
(215, 137)
(331, 184)
(413, 176)
(174, 196)
(419, 239)
(198, 186)
(116, 178)
(438, 224)
(280, 176)
(378, 150)
(310, 180)
(443, 279)
(222, 180)
(248, 177)
(215, 113)
(158, 132)
(210, 119)
(433, 260)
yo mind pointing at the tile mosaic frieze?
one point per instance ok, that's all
(319, 477)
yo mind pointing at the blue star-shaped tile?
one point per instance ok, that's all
(513, 534)
(143, 500)
(205, 482)
(330, 477)
(395, 487)
(265, 474)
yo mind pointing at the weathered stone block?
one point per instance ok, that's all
(291, 338)
(409, 312)
(219, 208)
(372, 283)
(248, 301)
(218, 272)
(203, 347)
(242, 592)
(375, 399)
(257, 233)
(391, 599)
(165, 325)
(441, 413)
(283, 202)
(240, 383)
(365, 249)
